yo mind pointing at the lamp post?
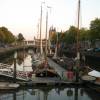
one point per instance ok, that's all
(15, 57)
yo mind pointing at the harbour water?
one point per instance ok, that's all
(49, 93)
(44, 92)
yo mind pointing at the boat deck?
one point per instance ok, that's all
(60, 71)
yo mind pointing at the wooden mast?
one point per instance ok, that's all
(78, 26)
(77, 42)
(41, 50)
(46, 34)
(46, 31)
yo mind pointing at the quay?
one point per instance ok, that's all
(49, 82)
(42, 82)
(35, 81)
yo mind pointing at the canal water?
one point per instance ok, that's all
(50, 93)
(43, 92)
(23, 60)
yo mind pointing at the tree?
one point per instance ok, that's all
(95, 29)
(71, 34)
(2, 36)
(84, 34)
(61, 36)
(6, 36)
(65, 38)
(20, 37)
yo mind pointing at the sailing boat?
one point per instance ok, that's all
(37, 59)
(44, 69)
(91, 77)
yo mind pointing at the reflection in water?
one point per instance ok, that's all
(93, 94)
(45, 93)
(69, 92)
(20, 58)
(23, 59)
(81, 92)
(14, 96)
(8, 60)
(49, 93)
(76, 93)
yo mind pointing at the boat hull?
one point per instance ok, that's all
(46, 73)
(94, 86)
(91, 82)
(8, 86)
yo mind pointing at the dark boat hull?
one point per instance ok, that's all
(46, 73)
(90, 82)
(94, 86)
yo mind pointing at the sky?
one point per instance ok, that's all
(23, 16)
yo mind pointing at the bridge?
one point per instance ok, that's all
(35, 43)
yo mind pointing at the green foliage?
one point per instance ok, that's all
(6, 36)
(70, 35)
(2, 36)
(95, 29)
(72, 32)
(84, 34)
(20, 37)
(65, 37)
(61, 36)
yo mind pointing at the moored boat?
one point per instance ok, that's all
(37, 60)
(8, 86)
(45, 70)
(46, 73)
(92, 80)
